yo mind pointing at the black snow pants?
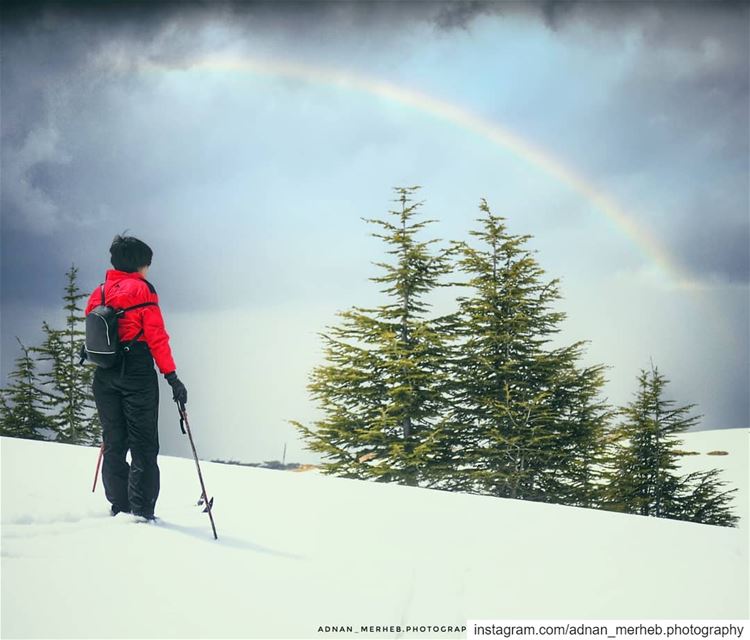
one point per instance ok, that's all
(127, 399)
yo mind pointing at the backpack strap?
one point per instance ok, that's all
(102, 291)
(131, 342)
(126, 347)
(136, 306)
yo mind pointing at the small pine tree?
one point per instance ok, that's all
(704, 499)
(382, 388)
(526, 422)
(66, 388)
(643, 478)
(21, 412)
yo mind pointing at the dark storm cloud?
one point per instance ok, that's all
(715, 242)
(691, 83)
(686, 91)
(721, 253)
(47, 50)
(679, 116)
(142, 19)
(125, 16)
(687, 100)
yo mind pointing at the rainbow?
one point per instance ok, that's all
(460, 117)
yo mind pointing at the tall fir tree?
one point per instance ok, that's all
(21, 412)
(527, 422)
(644, 478)
(66, 386)
(382, 390)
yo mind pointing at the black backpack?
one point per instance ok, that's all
(102, 346)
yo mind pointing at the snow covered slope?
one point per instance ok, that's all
(297, 552)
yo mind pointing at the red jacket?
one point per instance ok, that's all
(123, 289)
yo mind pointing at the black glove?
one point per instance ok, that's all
(179, 392)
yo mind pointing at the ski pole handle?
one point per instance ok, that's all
(183, 415)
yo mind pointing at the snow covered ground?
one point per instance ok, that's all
(301, 551)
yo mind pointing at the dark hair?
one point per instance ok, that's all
(129, 253)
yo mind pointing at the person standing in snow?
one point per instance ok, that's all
(127, 396)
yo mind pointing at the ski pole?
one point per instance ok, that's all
(98, 464)
(209, 503)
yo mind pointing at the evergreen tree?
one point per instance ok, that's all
(382, 389)
(526, 421)
(644, 459)
(704, 499)
(66, 388)
(21, 412)
(581, 420)
(646, 448)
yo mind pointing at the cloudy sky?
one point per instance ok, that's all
(245, 142)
